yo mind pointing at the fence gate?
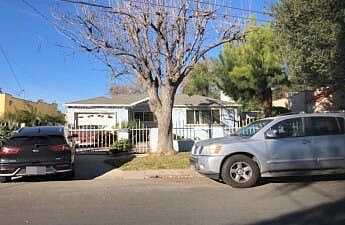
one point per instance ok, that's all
(92, 138)
(140, 139)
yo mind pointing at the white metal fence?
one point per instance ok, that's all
(91, 138)
(181, 130)
(96, 138)
(139, 137)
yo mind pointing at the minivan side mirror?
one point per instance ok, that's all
(271, 134)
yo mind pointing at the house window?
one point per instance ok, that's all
(138, 116)
(144, 116)
(203, 116)
(190, 117)
(215, 116)
(148, 116)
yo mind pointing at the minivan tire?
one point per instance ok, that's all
(231, 163)
(5, 179)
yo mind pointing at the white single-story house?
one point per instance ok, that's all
(191, 111)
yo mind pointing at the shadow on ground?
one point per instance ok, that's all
(87, 167)
(325, 214)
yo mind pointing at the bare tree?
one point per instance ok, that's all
(159, 41)
(125, 89)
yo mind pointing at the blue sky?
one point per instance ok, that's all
(44, 69)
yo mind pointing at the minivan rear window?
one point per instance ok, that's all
(341, 121)
(324, 126)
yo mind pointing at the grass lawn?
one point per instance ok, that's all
(155, 162)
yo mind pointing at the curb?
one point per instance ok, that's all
(151, 174)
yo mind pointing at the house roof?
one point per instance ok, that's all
(116, 100)
(130, 100)
(197, 100)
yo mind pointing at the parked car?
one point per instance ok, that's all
(37, 151)
(290, 145)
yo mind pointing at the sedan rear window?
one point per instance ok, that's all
(57, 140)
(19, 141)
(31, 140)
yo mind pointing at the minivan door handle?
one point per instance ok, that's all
(306, 142)
(40, 145)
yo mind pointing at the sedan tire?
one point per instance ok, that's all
(240, 171)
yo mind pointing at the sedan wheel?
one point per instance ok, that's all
(240, 171)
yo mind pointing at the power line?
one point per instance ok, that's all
(232, 7)
(175, 7)
(217, 13)
(36, 11)
(11, 69)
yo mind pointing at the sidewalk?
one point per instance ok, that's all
(149, 174)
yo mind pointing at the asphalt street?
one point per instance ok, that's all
(93, 201)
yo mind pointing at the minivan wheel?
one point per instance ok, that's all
(240, 171)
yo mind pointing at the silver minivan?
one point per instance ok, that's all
(290, 145)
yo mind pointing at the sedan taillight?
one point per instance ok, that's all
(7, 151)
(61, 148)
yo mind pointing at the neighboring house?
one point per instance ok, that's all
(188, 111)
(296, 101)
(312, 101)
(11, 104)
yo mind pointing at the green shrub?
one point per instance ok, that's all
(6, 130)
(120, 146)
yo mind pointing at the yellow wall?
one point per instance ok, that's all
(10, 104)
(2, 104)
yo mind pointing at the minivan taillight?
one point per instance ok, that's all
(6, 151)
(61, 148)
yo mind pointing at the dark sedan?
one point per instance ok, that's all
(33, 151)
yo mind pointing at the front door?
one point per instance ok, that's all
(328, 141)
(290, 149)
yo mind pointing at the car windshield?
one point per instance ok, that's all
(253, 128)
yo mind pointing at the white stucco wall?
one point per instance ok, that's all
(179, 116)
(229, 116)
(203, 131)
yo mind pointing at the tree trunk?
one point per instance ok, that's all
(165, 135)
(267, 102)
(164, 120)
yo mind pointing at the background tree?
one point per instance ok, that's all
(312, 34)
(125, 89)
(158, 41)
(31, 117)
(248, 70)
(200, 81)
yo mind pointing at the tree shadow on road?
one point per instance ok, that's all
(302, 180)
(325, 214)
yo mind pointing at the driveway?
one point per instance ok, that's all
(303, 201)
